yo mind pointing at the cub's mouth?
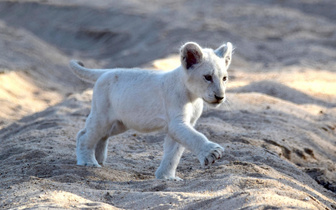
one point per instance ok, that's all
(214, 103)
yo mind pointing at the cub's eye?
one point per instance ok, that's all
(224, 78)
(208, 77)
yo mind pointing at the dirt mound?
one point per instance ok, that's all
(283, 92)
(44, 64)
(20, 96)
(264, 164)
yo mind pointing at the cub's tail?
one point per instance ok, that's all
(88, 75)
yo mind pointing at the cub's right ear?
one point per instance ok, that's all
(225, 51)
(191, 54)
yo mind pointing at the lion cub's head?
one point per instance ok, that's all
(206, 71)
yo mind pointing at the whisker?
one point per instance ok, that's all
(228, 104)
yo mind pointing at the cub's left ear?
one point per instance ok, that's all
(225, 51)
(191, 54)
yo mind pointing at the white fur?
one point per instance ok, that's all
(147, 101)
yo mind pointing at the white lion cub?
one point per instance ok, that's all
(147, 101)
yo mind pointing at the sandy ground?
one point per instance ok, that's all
(278, 126)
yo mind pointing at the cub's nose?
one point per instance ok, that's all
(219, 98)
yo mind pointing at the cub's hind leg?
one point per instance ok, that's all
(96, 130)
(101, 147)
(101, 150)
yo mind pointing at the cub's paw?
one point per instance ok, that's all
(88, 164)
(176, 179)
(171, 178)
(210, 153)
(92, 165)
(166, 177)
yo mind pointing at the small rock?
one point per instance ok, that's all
(306, 199)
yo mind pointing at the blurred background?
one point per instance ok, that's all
(266, 33)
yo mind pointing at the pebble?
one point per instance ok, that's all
(306, 199)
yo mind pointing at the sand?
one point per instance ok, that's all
(278, 126)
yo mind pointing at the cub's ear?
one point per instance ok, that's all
(191, 54)
(225, 51)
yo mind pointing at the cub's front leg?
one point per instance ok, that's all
(206, 151)
(172, 155)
